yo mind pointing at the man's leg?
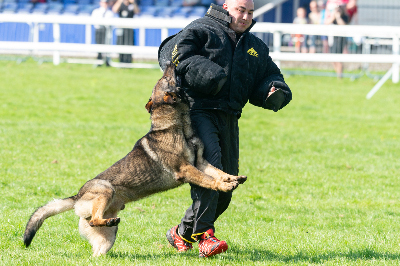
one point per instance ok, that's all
(229, 143)
(219, 133)
(100, 38)
(200, 216)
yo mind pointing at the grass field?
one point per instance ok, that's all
(323, 186)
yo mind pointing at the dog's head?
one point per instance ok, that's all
(167, 90)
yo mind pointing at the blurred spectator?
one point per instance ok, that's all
(36, 1)
(314, 17)
(322, 13)
(220, 2)
(339, 17)
(125, 9)
(331, 5)
(102, 11)
(191, 2)
(351, 9)
(301, 40)
(356, 46)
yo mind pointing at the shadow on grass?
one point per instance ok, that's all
(352, 255)
(151, 256)
(260, 255)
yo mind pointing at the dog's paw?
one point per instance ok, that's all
(241, 179)
(227, 186)
(113, 222)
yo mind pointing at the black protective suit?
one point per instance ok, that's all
(221, 71)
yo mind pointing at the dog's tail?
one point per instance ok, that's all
(50, 209)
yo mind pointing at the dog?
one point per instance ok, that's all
(169, 155)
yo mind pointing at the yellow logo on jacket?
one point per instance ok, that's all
(175, 55)
(252, 52)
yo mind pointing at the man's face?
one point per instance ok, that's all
(241, 12)
(103, 4)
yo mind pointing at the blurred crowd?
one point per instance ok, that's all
(128, 9)
(111, 3)
(338, 12)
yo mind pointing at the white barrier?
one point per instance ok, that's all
(142, 23)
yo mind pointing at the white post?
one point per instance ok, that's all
(278, 13)
(164, 33)
(35, 35)
(296, 4)
(88, 34)
(142, 36)
(396, 66)
(379, 84)
(56, 36)
(277, 45)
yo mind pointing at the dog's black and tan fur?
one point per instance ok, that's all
(163, 159)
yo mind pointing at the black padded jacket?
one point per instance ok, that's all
(220, 69)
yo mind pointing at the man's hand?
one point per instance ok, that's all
(271, 91)
(274, 99)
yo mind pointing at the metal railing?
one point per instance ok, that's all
(389, 35)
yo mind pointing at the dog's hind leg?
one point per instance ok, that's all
(96, 200)
(100, 205)
(100, 238)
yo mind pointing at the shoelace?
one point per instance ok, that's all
(212, 238)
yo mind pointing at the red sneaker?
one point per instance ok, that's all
(209, 245)
(176, 241)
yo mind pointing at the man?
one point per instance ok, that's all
(338, 16)
(100, 35)
(222, 66)
(125, 9)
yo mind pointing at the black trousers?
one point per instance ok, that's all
(100, 38)
(127, 38)
(219, 132)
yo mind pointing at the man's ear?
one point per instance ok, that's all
(169, 98)
(148, 105)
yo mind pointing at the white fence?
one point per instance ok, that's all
(388, 33)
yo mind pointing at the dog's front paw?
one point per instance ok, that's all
(227, 186)
(113, 222)
(241, 179)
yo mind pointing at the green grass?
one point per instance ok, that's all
(323, 173)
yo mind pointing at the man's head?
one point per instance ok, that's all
(313, 6)
(241, 12)
(301, 12)
(104, 3)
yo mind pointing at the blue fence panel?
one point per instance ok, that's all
(269, 16)
(173, 31)
(153, 37)
(72, 33)
(46, 32)
(287, 12)
(136, 39)
(93, 38)
(14, 32)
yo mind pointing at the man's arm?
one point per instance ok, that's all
(117, 6)
(199, 73)
(272, 93)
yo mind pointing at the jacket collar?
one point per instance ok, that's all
(222, 16)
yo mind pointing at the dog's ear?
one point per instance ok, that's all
(169, 98)
(148, 105)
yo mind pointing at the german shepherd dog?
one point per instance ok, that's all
(169, 155)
